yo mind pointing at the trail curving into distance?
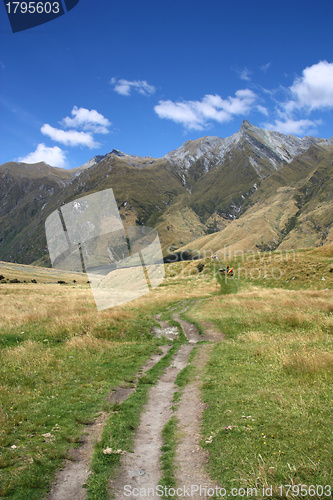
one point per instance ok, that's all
(142, 469)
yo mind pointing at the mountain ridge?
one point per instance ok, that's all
(206, 189)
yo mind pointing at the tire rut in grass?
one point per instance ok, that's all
(190, 330)
(191, 459)
(142, 469)
(69, 481)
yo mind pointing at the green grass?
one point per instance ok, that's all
(227, 284)
(59, 394)
(119, 430)
(169, 436)
(268, 390)
(54, 379)
(263, 419)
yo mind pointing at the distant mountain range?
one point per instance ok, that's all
(257, 189)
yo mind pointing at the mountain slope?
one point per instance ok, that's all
(223, 173)
(292, 208)
(255, 189)
(24, 192)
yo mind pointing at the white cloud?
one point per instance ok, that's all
(69, 137)
(197, 114)
(179, 112)
(125, 87)
(89, 120)
(264, 67)
(314, 89)
(262, 109)
(52, 156)
(290, 126)
(245, 75)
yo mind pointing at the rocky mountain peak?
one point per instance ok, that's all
(184, 189)
(246, 126)
(117, 152)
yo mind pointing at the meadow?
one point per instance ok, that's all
(267, 386)
(60, 359)
(268, 390)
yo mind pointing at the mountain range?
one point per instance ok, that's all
(257, 189)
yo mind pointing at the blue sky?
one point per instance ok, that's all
(146, 76)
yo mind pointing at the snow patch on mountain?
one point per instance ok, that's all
(275, 147)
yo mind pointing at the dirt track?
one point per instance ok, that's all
(141, 469)
(69, 481)
(190, 457)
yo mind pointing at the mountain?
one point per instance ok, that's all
(25, 192)
(256, 189)
(291, 208)
(88, 164)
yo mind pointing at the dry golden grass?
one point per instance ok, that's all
(88, 342)
(38, 302)
(308, 361)
(324, 251)
(40, 274)
(290, 328)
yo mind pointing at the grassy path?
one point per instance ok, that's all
(140, 473)
(266, 388)
(69, 482)
(141, 469)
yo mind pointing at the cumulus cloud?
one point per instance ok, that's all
(52, 156)
(87, 119)
(83, 124)
(69, 137)
(262, 109)
(295, 127)
(197, 114)
(314, 89)
(125, 87)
